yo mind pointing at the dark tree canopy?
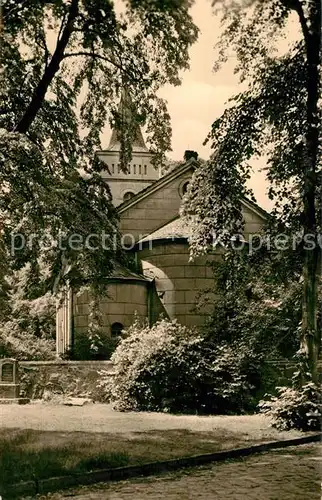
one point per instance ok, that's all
(65, 63)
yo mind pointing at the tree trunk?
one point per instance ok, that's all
(310, 338)
(50, 72)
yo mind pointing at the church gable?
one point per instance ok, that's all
(254, 218)
(156, 205)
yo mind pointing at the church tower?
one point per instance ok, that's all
(140, 172)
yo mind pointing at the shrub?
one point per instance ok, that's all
(23, 345)
(27, 332)
(171, 368)
(294, 408)
(85, 350)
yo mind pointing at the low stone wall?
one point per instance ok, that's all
(46, 379)
(286, 368)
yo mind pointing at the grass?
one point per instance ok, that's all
(25, 454)
(28, 454)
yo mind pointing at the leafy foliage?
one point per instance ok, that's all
(295, 408)
(27, 324)
(99, 49)
(170, 368)
(257, 303)
(267, 118)
(84, 349)
(274, 118)
(65, 65)
(21, 345)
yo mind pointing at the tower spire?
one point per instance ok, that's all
(125, 112)
(140, 172)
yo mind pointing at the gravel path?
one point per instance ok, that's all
(292, 474)
(101, 418)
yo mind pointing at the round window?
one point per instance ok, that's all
(128, 195)
(183, 188)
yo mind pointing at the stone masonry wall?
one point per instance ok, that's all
(183, 281)
(120, 304)
(153, 211)
(46, 379)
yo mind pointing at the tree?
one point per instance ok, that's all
(256, 301)
(64, 64)
(278, 113)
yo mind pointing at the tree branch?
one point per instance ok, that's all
(103, 58)
(50, 72)
(43, 46)
(94, 56)
(62, 25)
(303, 22)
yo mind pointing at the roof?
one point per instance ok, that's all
(138, 144)
(253, 205)
(122, 272)
(178, 228)
(126, 112)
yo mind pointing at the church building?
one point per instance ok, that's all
(166, 283)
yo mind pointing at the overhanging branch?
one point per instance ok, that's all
(50, 72)
(94, 56)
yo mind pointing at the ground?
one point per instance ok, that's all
(101, 418)
(48, 440)
(288, 474)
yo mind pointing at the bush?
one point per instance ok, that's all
(171, 368)
(294, 408)
(23, 345)
(85, 350)
(27, 332)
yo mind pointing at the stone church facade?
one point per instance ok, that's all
(165, 282)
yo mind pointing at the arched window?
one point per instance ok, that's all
(116, 329)
(128, 195)
(145, 169)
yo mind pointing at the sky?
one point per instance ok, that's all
(201, 98)
(203, 95)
